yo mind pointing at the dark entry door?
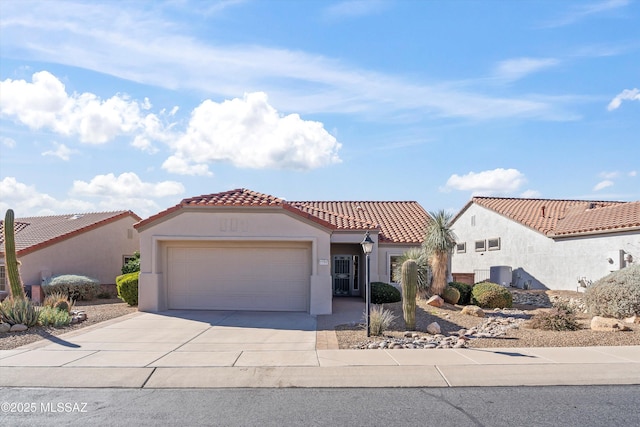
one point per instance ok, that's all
(342, 274)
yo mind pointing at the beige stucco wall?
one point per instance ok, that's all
(231, 224)
(385, 253)
(554, 264)
(96, 253)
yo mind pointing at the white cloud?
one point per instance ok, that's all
(250, 133)
(491, 182)
(609, 175)
(625, 95)
(126, 185)
(25, 200)
(45, 104)
(531, 194)
(61, 151)
(584, 11)
(603, 184)
(633, 173)
(7, 142)
(514, 69)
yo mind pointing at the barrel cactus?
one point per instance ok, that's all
(409, 289)
(11, 259)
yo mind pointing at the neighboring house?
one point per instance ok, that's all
(89, 244)
(541, 243)
(243, 250)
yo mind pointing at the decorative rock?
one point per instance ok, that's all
(606, 324)
(435, 301)
(18, 328)
(4, 327)
(632, 319)
(473, 310)
(434, 328)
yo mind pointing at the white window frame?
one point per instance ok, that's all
(483, 247)
(461, 248)
(495, 247)
(389, 267)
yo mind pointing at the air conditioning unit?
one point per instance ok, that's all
(500, 274)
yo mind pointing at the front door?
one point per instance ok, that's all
(342, 275)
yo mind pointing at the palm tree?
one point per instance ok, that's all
(438, 243)
(418, 255)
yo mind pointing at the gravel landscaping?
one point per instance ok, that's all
(97, 311)
(510, 324)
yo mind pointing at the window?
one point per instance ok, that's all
(394, 262)
(494, 244)
(127, 258)
(3, 278)
(481, 246)
(461, 248)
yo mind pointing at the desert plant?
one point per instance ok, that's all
(380, 319)
(384, 293)
(58, 300)
(16, 311)
(127, 286)
(555, 319)
(75, 287)
(438, 242)
(12, 264)
(615, 295)
(491, 295)
(133, 264)
(424, 272)
(465, 292)
(451, 295)
(409, 289)
(51, 316)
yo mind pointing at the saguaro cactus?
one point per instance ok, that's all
(409, 289)
(10, 257)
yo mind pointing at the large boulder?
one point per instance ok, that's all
(472, 310)
(435, 301)
(607, 324)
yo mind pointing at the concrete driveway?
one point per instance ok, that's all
(180, 338)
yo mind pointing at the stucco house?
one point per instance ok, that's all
(90, 244)
(245, 250)
(544, 243)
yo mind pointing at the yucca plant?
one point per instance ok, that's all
(409, 288)
(424, 272)
(438, 243)
(15, 311)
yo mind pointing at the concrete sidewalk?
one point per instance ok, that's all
(248, 349)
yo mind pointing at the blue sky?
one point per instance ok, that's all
(136, 105)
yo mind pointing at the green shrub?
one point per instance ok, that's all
(379, 320)
(491, 295)
(74, 287)
(465, 292)
(127, 286)
(384, 293)
(51, 316)
(19, 311)
(451, 295)
(555, 319)
(616, 295)
(132, 265)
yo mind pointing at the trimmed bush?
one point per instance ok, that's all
(491, 295)
(51, 316)
(555, 319)
(616, 295)
(380, 319)
(465, 292)
(74, 287)
(132, 265)
(384, 293)
(16, 311)
(451, 295)
(127, 286)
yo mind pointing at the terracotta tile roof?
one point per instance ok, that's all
(553, 217)
(36, 232)
(397, 222)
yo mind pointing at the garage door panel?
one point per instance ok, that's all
(239, 277)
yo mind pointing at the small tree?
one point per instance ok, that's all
(438, 243)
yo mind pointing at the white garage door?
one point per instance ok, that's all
(269, 276)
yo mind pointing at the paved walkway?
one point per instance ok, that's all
(194, 349)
